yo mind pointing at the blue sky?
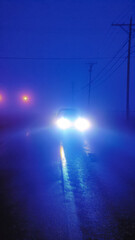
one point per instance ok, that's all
(71, 34)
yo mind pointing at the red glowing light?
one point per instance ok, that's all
(1, 98)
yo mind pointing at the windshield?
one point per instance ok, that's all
(69, 113)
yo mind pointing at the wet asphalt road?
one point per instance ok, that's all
(66, 189)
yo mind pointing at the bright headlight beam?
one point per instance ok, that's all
(82, 124)
(63, 123)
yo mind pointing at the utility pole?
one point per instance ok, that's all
(73, 93)
(90, 80)
(123, 25)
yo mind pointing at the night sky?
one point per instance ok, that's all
(47, 45)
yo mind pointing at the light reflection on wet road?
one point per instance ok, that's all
(80, 185)
(72, 220)
(52, 190)
(103, 200)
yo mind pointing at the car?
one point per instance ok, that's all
(70, 118)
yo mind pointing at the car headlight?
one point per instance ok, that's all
(63, 123)
(82, 124)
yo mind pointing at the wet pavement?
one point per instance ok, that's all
(56, 189)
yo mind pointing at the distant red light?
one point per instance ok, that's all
(1, 98)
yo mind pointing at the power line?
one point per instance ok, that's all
(125, 43)
(121, 57)
(111, 73)
(52, 58)
(110, 35)
(90, 80)
(103, 69)
(130, 25)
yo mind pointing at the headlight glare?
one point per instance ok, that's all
(63, 123)
(82, 124)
